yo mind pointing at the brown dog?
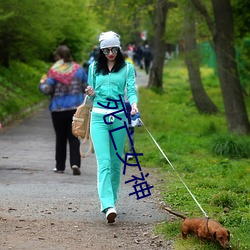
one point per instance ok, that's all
(204, 229)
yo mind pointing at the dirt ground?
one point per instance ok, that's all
(18, 233)
(40, 209)
(43, 210)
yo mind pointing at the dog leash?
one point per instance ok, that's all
(174, 170)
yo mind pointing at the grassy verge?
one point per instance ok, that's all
(19, 88)
(212, 163)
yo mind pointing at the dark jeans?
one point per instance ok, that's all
(147, 65)
(62, 122)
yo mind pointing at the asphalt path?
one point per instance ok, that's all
(29, 188)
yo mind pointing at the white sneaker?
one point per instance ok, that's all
(111, 214)
(76, 170)
(58, 171)
(130, 157)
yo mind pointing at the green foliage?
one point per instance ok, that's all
(224, 200)
(29, 33)
(231, 146)
(169, 229)
(176, 18)
(175, 25)
(219, 183)
(128, 18)
(241, 17)
(243, 59)
(19, 87)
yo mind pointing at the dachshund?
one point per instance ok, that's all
(204, 229)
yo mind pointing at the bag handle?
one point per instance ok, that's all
(87, 137)
(91, 148)
(85, 99)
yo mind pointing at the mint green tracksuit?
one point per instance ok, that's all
(108, 164)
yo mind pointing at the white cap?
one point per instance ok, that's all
(109, 39)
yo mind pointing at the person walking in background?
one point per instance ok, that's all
(65, 84)
(147, 54)
(92, 57)
(108, 78)
(138, 56)
(127, 58)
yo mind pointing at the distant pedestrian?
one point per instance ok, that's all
(147, 55)
(65, 84)
(138, 56)
(93, 56)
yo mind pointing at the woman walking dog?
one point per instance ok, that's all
(108, 78)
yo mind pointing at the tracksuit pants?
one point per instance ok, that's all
(108, 163)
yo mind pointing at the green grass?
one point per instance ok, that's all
(214, 164)
(19, 88)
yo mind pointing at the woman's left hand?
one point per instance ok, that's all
(134, 109)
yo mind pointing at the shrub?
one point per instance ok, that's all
(231, 146)
(223, 200)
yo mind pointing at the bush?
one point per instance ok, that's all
(19, 88)
(231, 146)
(223, 200)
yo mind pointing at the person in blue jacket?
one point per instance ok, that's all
(65, 83)
(108, 77)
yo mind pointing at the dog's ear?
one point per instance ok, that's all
(214, 235)
(228, 237)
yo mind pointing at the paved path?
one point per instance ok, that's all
(141, 78)
(29, 189)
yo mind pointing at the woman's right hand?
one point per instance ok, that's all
(90, 91)
(134, 109)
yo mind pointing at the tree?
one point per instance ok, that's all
(28, 33)
(223, 38)
(159, 46)
(201, 99)
(128, 17)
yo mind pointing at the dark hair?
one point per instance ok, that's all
(102, 67)
(64, 53)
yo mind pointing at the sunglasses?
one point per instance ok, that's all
(106, 51)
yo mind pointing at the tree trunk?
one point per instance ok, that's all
(159, 47)
(223, 38)
(201, 99)
(235, 109)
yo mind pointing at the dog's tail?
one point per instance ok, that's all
(175, 213)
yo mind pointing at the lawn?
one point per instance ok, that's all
(214, 164)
